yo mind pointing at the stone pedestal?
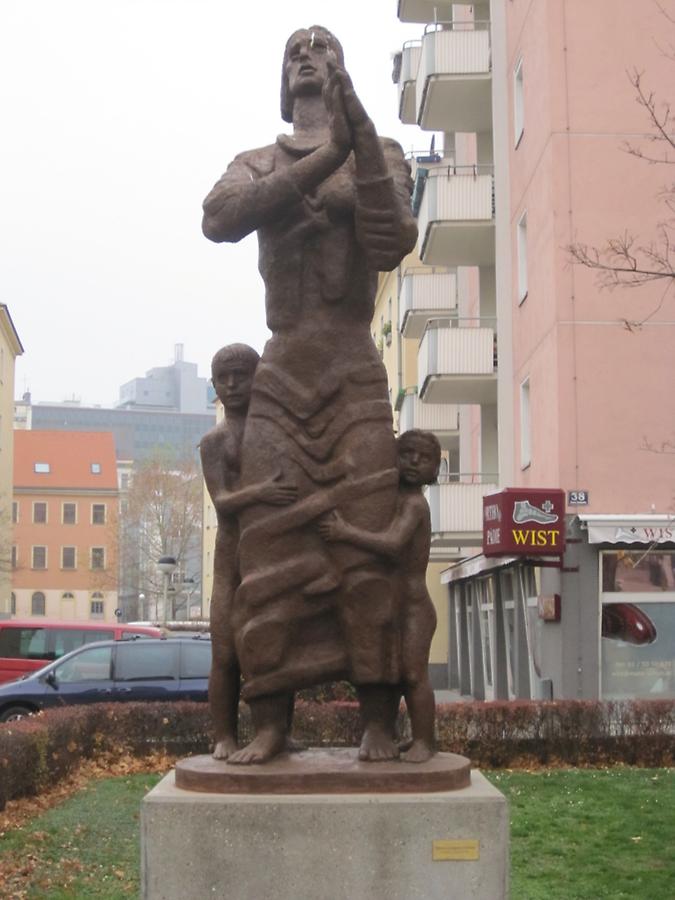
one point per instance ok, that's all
(450, 844)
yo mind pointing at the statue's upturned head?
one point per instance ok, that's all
(314, 37)
(232, 371)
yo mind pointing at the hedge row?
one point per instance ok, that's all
(37, 752)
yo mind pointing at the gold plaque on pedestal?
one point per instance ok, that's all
(452, 850)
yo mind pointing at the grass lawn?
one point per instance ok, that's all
(88, 846)
(575, 835)
(585, 834)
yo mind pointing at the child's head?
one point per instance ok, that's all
(232, 371)
(419, 457)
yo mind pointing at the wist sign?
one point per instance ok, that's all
(525, 522)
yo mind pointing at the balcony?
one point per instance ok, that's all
(441, 418)
(454, 82)
(456, 216)
(422, 10)
(407, 103)
(457, 511)
(457, 362)
(425, 294)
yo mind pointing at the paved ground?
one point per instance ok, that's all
(450, 697)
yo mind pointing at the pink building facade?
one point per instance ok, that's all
(536, 95)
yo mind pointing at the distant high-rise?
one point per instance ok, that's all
(168, 411)
(176, 387)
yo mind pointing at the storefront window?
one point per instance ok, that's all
(638, 624)
(487, 626)
(638, 571)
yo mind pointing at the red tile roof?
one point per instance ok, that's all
(70, 456)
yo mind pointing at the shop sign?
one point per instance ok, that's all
(524, 522)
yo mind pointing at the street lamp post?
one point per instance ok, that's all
(141, 605)
(166, 566)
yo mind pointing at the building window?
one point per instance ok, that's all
(12, 601)
(96, 468)
(15, 512)
(39, 513)
(525, 425)
(98, 557)
(124, 481)
(518, 102)
(67, 595)
(38, 604)
(69, 513)
(68, 557)
(97, 606)
(521, 249)
(98, 514)
(39, 557)
(41, 468)
(636, 649)
(15, 556)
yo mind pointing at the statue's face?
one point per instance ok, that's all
(232, 381)
(417, 462)
(307, 63)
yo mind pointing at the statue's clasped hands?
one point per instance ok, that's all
(346, 113)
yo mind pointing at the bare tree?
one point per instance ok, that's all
(627, 260)
(161, 515)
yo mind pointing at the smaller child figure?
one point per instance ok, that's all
(232, 370)
(406, 542)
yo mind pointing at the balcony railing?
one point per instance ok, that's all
(423, 11)
(425, 293)
(457, 362)
(453, 83)
(457, 510)
(410, 57)
(441, 418)
(456, 215)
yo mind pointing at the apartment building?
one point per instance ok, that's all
(537, 378)
(10, 348)
(65, 511)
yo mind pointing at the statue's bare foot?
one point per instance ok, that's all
(419, 752)
(377, 745)
(264, 746)
(293, 746)
(225, 748)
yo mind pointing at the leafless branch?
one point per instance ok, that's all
(624, 263)
(661, 122)
(667, 446)
(664, 11)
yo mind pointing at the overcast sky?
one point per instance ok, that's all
(117, 118)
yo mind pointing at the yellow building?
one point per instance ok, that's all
(407, 300)
(10, 348)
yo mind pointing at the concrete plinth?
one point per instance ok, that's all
(449, 844)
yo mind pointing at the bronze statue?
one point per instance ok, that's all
(331, 207)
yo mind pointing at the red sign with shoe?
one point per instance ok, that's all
(524, 522)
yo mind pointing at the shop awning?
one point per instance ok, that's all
(616, 529)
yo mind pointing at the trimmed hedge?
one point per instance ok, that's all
(37, 752)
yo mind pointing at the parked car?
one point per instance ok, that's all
(27, 644)
(113, 671)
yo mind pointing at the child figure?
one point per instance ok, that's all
(406, 542)
(232, 371)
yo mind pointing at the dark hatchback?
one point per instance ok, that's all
(111, 671)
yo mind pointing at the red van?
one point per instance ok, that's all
(28, 644)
